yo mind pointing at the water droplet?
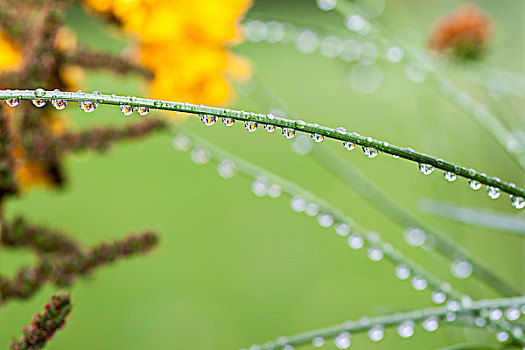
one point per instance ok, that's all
(226, 169)
(480, 322)
(12, 102)
(317, 137)
(142, 110)
(228, 121)
(512, 314)
(342, 341)
(402, 272)
(288, 347)
(453, 305)
(502, 336)
(40, 92)
(318, 342)
(419, 283)
(375, 254)
(517, 202)
(127, 110)
(394, 54)
(495, 314)
(438, 297)
(355, 241)
(298, 204)
(274, 191)
(181, 142)
(207, 119)
(88, 106)
(311, 209)
(39, 102)
(288, 132)
(348, 145)
(326, 5)
(269, 127)
(431, 324)
(370, 152)
(415, 237)
(450, 176)
(58, 104)
(376, 333)
(157, 104)
(461, 269)
(307, 41)
(325, 220)
(342, 229)
(426, 169)
(406, 329)
(250, 126)
(260, 187)
(475, 185)
(200, 156)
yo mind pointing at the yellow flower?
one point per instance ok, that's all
(10, 55)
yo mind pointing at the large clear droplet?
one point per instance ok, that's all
(228, 121)
(431, 324)
(493, 192)
(426, 169)
(406, 329)
(200, 156)
(419, 283)
(58, 104)
(317, 137)
(88, 106)
(348, 145)
(370, 152)
(475, 185)
(142, 111)
(376, 333)
(39, 102)
(517, 202)
(450, 176)
(402, 272)
(181, 143)
(356, 241)
(12, 102)
(226, 169)
(288, 133)
(317, 342)
(438, 297)
(269, 127)
(298, 204)
(343, 341)
(375, 254)
(207, 119)
(325, 220)
(250, 126)
(461, 269)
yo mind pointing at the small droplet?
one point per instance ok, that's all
(312, 209)
(512, 314)
(495, 314)
(461, 269)
(39, 102)
(450, 176)
(200, 156)
(342, 341)
(157, 104)
(419, 283)
(142, 111)
(475, 185)
(453, 305)
(438, 297)
(325, 220)
(317, 137)
(207, 119)
(317, 342)
(370, 152)
(431, 324)
(288, 132)
(269, 127)
(127, 110)
(226, 169)
(375, 254)
(402, 272)
(502, 336)
(480, 322)
(356, 241)
(298, 204)
(348, 145)
(250, 126)
(228, 121)
(260, 187)
(426, 169)
(406, 329)
(40, 92)
(342, 229)
(415, 237)
(12, 102)
(274, 191)
(58, 104)
(181, 142)
(326, 5)
(288, 347)
(376, 333)
(517, 202)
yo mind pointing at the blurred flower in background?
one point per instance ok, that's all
(463, 33)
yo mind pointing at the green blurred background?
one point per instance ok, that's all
(234, 269)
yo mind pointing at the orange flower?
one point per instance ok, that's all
(464, 33)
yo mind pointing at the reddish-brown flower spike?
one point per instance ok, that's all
(463, 33)
(44, 325)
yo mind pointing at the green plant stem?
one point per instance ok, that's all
(446, 246)
(297, 125)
